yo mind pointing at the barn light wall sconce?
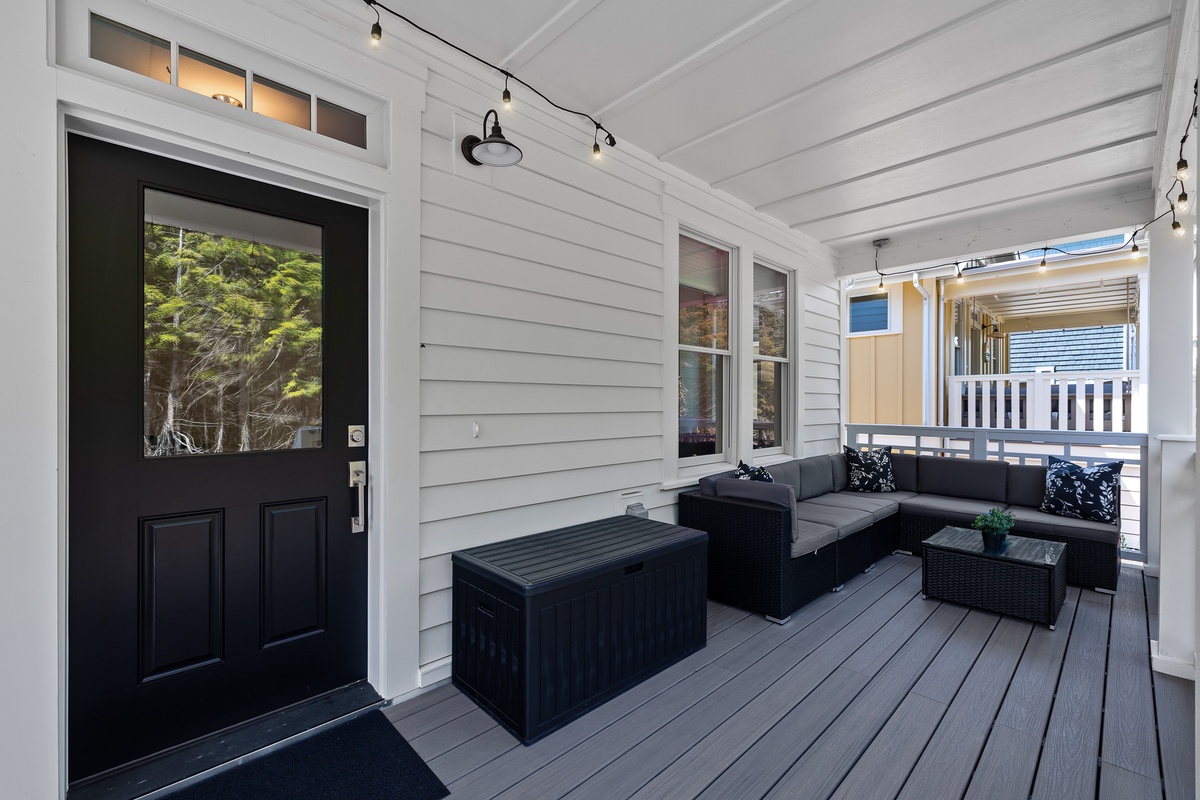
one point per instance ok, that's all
(493, 150)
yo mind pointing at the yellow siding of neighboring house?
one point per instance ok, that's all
(885, 370)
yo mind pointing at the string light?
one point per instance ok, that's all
(1182, 173)
(376, 30)
(1177, 228)
(1135, 253)
(1042, 266)
(1181, 204)
(879, 244)
(609, 139)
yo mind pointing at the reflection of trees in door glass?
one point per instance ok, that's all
(232, 344)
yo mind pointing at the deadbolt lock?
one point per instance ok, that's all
(357, 436)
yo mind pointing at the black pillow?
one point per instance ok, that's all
(870, 470)
(746, 472)
(1091, 493)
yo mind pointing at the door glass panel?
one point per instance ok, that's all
(232, 357)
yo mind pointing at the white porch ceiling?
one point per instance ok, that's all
(948, 126)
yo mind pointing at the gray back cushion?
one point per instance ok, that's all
(786, 473)
(816, 477)
(779, 494)
(904, 467)
(962, 477)
(707, 483)
(841, 472)
(1026, 485)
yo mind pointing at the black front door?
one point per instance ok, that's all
(217, 361)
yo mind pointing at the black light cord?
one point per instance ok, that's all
(609, 139)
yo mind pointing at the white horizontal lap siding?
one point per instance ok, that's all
(821, 382)
(541, 320)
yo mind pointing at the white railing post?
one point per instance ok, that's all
(1037, 402)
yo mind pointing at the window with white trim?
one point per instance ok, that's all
(771, 358)
(705, 355)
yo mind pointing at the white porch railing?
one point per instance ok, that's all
(1032, 447)
(1067, 401)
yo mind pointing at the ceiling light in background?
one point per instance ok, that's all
(228, 98)
(493, 150)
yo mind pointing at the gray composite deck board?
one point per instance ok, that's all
(945, 768)
(817, 774)
(1122, 784)
(744, 705)
(871, 692)
(755, 766)
(1072, 741)
(1174, 702)
(1010, 758)
(1129, 737)
(446, 737)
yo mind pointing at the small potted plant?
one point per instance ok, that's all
(994, 525)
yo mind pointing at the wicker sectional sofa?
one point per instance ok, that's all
(775, 546)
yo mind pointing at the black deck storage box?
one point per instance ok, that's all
(550, 625)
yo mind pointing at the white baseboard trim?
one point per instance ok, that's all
(1171, 666)
(436, 671)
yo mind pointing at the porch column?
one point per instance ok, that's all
(1166, 323)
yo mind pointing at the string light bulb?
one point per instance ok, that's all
(1181, 204)
(1134, 252)
(1177, 227)
(880, 287)
(376, 29)
(506, 95)
(1181, 170)
(596, 150)
(1042, 266)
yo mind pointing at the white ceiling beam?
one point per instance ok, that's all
(1097, 107)
(800, 224)
(544, 36)
(713, 50)
(875, 60)
(1007, 228)
(1116, 268)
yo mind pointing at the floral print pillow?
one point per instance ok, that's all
(870, 470)
(745, 472)
(1091, 493)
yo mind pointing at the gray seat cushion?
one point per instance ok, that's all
(904, 468)
(1034, 521)
(845, 520)
(878, 504)
(954, 509)
(808, 537)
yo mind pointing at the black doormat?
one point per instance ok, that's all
(365, 758)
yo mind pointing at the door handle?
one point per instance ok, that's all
(358, 480)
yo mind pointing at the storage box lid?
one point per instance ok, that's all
(544, 560)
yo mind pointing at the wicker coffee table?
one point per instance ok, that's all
(1026, 579)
